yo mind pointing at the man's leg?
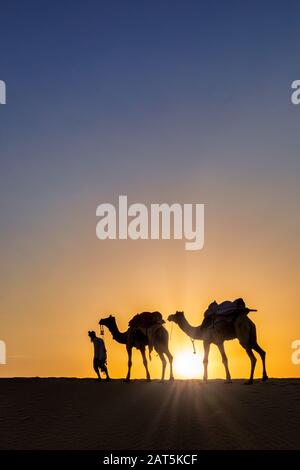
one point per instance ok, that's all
(96, 368)
(104, 369)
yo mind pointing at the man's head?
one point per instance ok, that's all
(92, 335)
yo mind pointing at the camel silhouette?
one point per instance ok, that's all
(241, 328)
(135, 338)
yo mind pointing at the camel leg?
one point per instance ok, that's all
(143, 353)
(205, 359)
(170, 359)
(253, 362)
(262, 354)
(129, 352)
(164, 363)
(161, 346)
(225, 362)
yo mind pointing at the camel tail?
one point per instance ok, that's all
(149, 352)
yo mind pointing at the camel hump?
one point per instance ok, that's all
(146, 320)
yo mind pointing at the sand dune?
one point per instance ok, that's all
(83, 414)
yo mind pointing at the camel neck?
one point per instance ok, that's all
(117, 334)
(192, 331)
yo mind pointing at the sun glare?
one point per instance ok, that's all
(188, 365)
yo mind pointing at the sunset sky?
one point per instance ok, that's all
(162, 101)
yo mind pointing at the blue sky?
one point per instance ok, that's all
(93, 69)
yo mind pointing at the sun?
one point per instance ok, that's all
(188, 365)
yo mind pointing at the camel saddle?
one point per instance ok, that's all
(148, 323)
(146, 320)
(225, 311)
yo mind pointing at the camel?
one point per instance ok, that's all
(135, 338)
(241, 328)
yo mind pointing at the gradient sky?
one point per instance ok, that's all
(165, 101)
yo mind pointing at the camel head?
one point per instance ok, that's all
(176, 317)
(108, 321)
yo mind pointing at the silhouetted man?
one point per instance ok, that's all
(99, 355)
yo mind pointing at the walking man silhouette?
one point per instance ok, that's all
(99, 361)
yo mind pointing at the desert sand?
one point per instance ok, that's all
(84, 414)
